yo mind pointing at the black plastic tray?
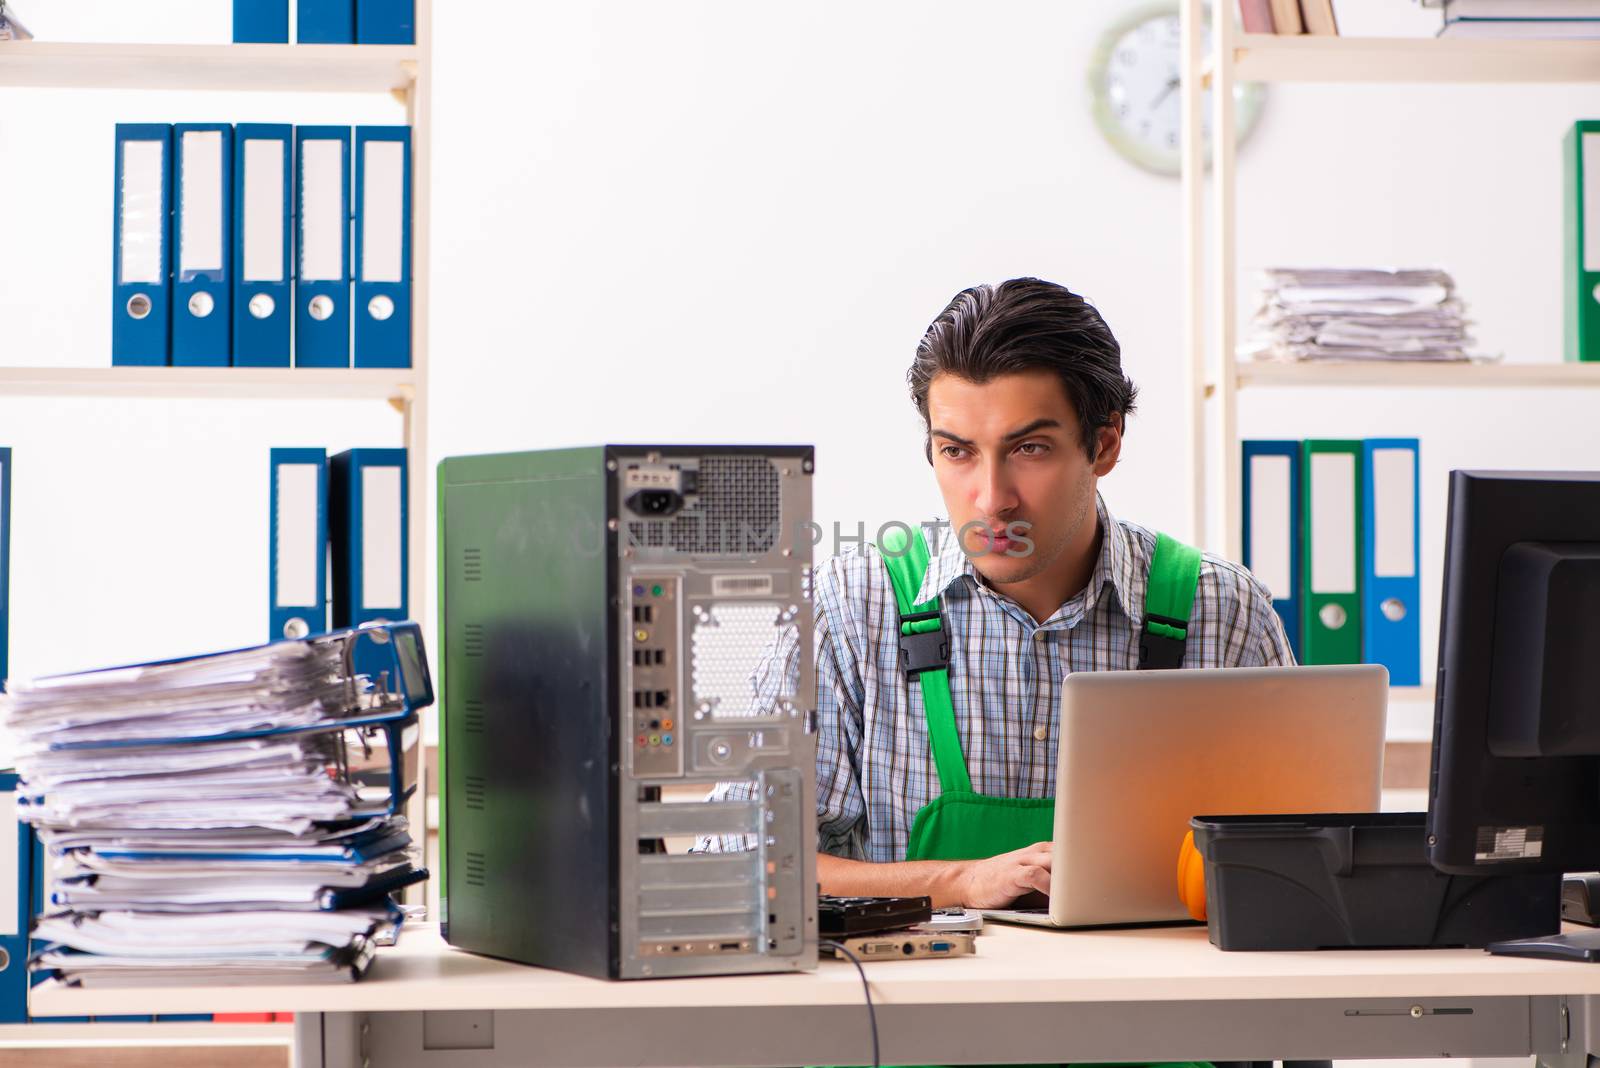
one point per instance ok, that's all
(1361, 880)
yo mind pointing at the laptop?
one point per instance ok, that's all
(1143, 752)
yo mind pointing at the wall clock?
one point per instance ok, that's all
(1134, 87)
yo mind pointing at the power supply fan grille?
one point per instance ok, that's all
(737, 511)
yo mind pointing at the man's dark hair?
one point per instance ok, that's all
(1026, 324)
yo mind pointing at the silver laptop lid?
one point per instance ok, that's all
(1142, 752)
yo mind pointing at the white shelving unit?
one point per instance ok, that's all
(1213, 372)
(405, 72)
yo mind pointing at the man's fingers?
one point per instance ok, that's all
(1036, 878)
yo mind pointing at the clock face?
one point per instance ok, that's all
(1136, 90)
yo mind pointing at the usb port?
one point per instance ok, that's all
(643, 613)
(660, 656)
(662, 698)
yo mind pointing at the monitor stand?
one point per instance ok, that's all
(1579, 946)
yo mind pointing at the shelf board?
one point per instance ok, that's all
(1550, 375)
(1305, 58)
(244, 383)
(277, 68)
(184, 1033)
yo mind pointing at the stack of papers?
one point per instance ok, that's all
(1325, 313)
(210, 819)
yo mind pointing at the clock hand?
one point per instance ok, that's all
(1171, 85)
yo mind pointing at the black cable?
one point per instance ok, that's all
(872, 1014)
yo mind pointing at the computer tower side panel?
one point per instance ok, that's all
(529, 709)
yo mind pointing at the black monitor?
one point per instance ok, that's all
(1515, 782)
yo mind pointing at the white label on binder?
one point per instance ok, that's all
(298, 546)
(1591, 202)
(144, 227)
(1271, 513)
(200, 163)
(1333, 522)
(1394, 490)
(322, 218)
(383, 211)
(380, 538)
(10, 836)
(262, 231)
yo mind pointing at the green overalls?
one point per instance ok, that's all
(960, 824)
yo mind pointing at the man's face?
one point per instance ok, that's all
(1010, 450)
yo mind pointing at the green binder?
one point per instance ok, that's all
(1331, 521)
(1581, 259)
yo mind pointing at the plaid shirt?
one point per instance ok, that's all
(875, 768)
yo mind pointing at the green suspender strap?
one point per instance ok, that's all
(925, 652)
(1168, 601)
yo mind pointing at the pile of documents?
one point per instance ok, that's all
(221, 818)
(1323, 313)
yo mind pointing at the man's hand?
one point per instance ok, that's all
(998, 881)
(977, 884)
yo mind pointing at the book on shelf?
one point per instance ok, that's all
(1523, 29)
(1319, 18)
(1522, 10)
(1522, 18)
(1286, 16)
(1256, 16)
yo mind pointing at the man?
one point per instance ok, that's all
(1022, 395)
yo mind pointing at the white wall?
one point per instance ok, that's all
(731, 222)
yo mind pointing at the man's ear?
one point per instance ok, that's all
(1108, 447)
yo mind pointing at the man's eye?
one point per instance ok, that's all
(951, 452)
(1033, 448)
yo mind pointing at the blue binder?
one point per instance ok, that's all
(15, 905)
(5, 566)
(297, 571)
(202, 233)
(141, 256)
(1272, 526)
(262, 232)
(390, 22)
(370, 543)
(382, 302)
(322, 225)
(1391, 550)
(261, 21)
(326, 22)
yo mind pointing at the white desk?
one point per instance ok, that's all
(1029, 995)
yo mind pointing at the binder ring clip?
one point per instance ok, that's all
(139, 305)
(380, 307)
(1333, 616)
(261, 305)
(1393, 609)
(321, 307)
(200, 305)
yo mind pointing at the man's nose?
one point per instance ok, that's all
(995, 494)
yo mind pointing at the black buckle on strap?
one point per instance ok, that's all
(924, 650)
(1158, 652)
